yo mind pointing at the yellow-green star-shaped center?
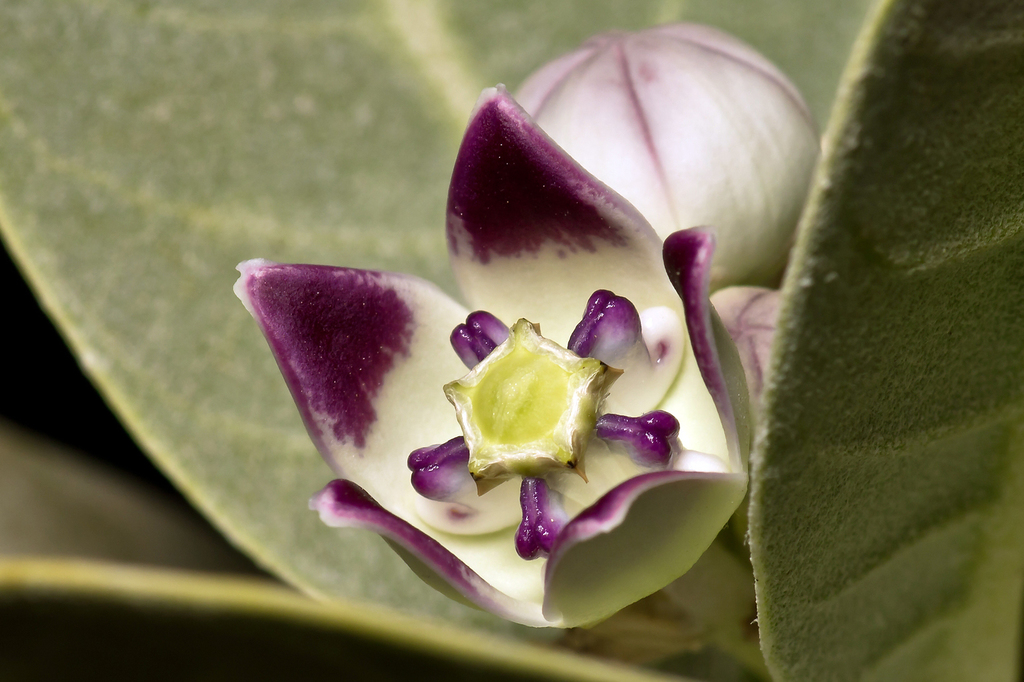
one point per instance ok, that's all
(529, 408)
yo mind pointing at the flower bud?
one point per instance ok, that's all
(693, 127)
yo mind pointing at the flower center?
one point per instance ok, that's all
(528, 408)
(521, 398)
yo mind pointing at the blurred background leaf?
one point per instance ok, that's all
(104, 621)
(888, 484)
(55, 502)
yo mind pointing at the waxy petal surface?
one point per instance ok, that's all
(364, 354)
(532, 234)
(643, 534)
(650, 529)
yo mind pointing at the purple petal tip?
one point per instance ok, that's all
(342, 503)
(336, 333)
(513, 190)
(688, 255)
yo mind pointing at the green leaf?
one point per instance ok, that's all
(54, 502)
(888, 485)
(146, 148)
(95, 621)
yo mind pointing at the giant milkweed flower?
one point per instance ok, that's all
(599, 441)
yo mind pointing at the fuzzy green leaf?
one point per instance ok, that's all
(888, 485)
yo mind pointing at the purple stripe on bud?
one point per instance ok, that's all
(440, 472)
(651, 440)
(481, 334)
(543, 518)
(610, 328)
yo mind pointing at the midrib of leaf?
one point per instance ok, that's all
(432, 48)
(222, 222)
(231, 23)
(435, 51)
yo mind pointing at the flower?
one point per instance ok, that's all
(606, 466)
(693, 127)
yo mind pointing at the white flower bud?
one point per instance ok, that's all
(693, 127)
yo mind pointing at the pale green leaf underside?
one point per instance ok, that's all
(146, 148)
(119, 622)
(888, 486)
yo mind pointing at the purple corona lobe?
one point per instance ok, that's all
(513, 190)
(441, 471)
(336, 333)
(610, 328)
(543, 518)
(651, 439)
(474, 340)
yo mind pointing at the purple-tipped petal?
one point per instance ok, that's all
(651, 440)
(474, 340)
(364, 354)
(636, 539)
(440, 472)
(543, 518)
(531, 234)
(344, 504)
(749, 314)
(609, 331)
(688, 255)
(337, 333)
(513, 191)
